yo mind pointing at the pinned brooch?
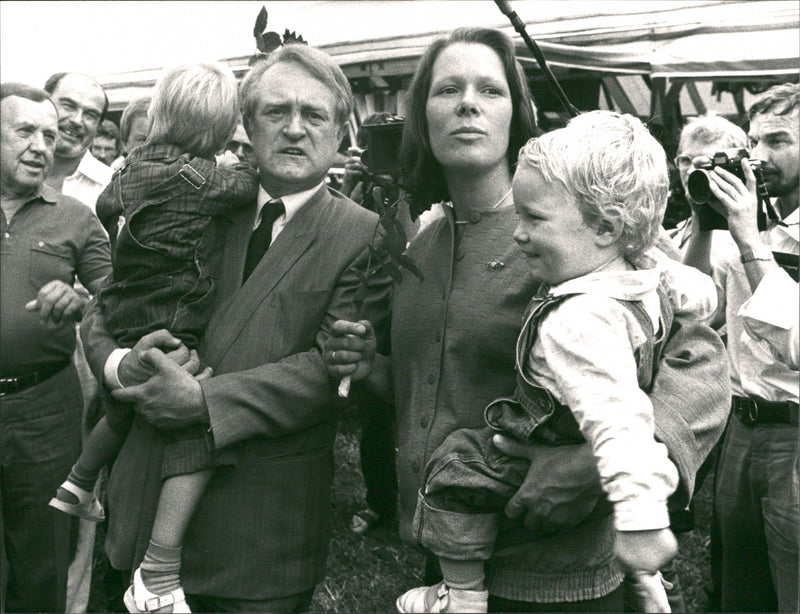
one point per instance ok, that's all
(494, 265)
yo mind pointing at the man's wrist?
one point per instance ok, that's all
(111, 368)
(759, 251)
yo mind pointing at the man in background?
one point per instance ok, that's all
(105, 146)
(81, 104)
(47, 240)
(757, 494)
(132, 128)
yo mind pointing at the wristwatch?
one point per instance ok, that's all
(759, 252)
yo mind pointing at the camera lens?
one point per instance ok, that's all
(698, 186)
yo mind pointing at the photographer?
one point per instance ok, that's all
(756, 494)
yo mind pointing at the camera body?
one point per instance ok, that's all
(382, 154)
(699, 189)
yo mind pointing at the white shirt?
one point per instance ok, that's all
(762, 325)
(291, 204)
(584, 355)
(88, 181)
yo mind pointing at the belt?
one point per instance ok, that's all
(756, 411)
(37, 375)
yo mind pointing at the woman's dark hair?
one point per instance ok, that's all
(423, 176)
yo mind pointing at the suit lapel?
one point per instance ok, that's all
(293, 241)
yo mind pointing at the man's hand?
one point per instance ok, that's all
(645, 550)
(171, 398)
(134, 369)
(354, 170)
(350, 350)
(57, 302)
(561, 488)
(740, 202)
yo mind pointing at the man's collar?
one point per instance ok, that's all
(291, 202)
(93, 169)
(47, 194)
(44, 193)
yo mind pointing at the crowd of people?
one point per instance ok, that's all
(538, 407)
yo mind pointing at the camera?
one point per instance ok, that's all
(382, 154)
(699, 188)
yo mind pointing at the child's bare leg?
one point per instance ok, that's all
(100, 448)
(179, 498)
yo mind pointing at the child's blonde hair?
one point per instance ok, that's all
(613, 167)
(195, 108)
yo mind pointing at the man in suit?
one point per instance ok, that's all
(258, 541)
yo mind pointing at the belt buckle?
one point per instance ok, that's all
(752, 413)
(747, 411)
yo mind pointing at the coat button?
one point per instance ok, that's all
(474, 217)
(415, 466)
(423, 422)
(431, 377)
(460, 253)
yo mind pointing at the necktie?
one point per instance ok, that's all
(262, 235)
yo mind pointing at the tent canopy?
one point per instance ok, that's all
(618, 48)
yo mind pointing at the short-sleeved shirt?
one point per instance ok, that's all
(51, 236)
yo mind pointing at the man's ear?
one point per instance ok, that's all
(608, 232)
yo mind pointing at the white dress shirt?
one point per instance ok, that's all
(88, 181)
(291, 204)
(762, 325)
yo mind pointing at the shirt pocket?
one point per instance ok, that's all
(49, 261)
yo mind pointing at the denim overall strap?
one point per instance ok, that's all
(533, 413)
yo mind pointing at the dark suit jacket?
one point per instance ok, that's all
(262, 528)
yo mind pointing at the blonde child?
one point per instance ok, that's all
(590, 198)
(164, 274)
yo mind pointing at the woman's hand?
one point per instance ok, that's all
(350, 350)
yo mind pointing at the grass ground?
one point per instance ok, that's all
(366, 574)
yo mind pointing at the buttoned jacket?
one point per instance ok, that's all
(262, 528)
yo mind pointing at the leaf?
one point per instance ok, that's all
(394, 244)
(412, 266)
(269, 41)
(261, 22)
(399, 228)
(292, 37)
(391, 269)
(360, 295)
(361, 276)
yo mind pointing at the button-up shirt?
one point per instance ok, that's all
(50, 237)
(291, 204)
(762, 325)
(88, 181)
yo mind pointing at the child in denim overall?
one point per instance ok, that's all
(164, 274)
(590, 198)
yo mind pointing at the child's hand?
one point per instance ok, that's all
(645, 550)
